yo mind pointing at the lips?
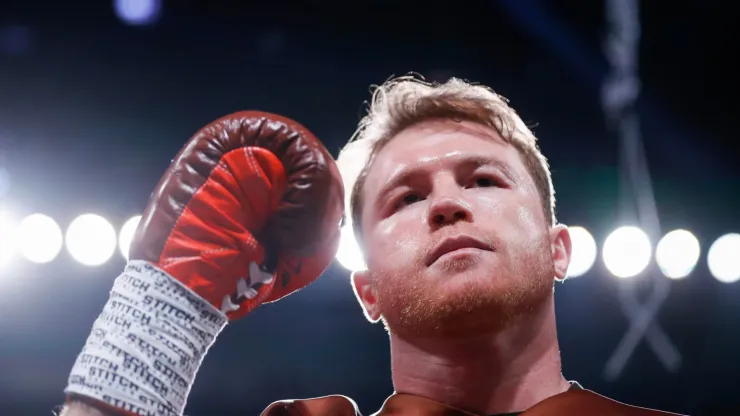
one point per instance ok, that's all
(451, 244)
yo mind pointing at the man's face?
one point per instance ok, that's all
(455, 237)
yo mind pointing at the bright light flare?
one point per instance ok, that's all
(127, 234)
(91, 240)
(39, 238)
(349, 254)
(677, 254)
(723, 258)
(138, 12)
(627, 251)
(583, 253)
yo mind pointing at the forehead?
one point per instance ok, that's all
(434, 142)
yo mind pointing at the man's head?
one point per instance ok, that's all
(433, 168)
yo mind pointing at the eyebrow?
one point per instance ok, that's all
(405, 176)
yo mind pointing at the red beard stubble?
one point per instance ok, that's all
(421, 306)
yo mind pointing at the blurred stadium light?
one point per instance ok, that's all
(349, 254)
(138, 12)
(627, 252)
(91, 240)
(127, 234)
(583, 253)
(677, 254)
(723, 258)
(39, 238)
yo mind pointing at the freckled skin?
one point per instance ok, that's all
(472, 291)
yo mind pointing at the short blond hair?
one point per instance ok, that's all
(405, 101)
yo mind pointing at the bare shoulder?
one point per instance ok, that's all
(337, 405)
(589, 402)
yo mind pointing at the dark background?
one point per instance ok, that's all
(92, 111)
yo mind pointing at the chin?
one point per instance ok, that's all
(471, 278)
(467, 303)
(465, 294)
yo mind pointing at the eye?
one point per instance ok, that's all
(407, 199)
(483, 182)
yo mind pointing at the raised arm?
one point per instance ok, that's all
(248, 212)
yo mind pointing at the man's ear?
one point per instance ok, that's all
(367, 294)
(561, 250)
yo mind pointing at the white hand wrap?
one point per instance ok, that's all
(146, 346)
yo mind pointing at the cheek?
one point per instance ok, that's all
(527, 221)
(516, 218)
(396, 241)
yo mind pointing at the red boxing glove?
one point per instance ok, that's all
(248, 212)
(250, 190)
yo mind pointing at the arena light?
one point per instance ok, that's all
(723, 258)
(138, 12)
(583, 254)
(677, 254)
(7, 238)
(91, 240)
(127, 234)
(39, 238)
(349, 254)
(627, 252)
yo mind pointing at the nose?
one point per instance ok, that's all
(447, 211)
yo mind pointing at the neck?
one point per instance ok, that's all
(508, 371)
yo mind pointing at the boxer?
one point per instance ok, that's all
(453, 205)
